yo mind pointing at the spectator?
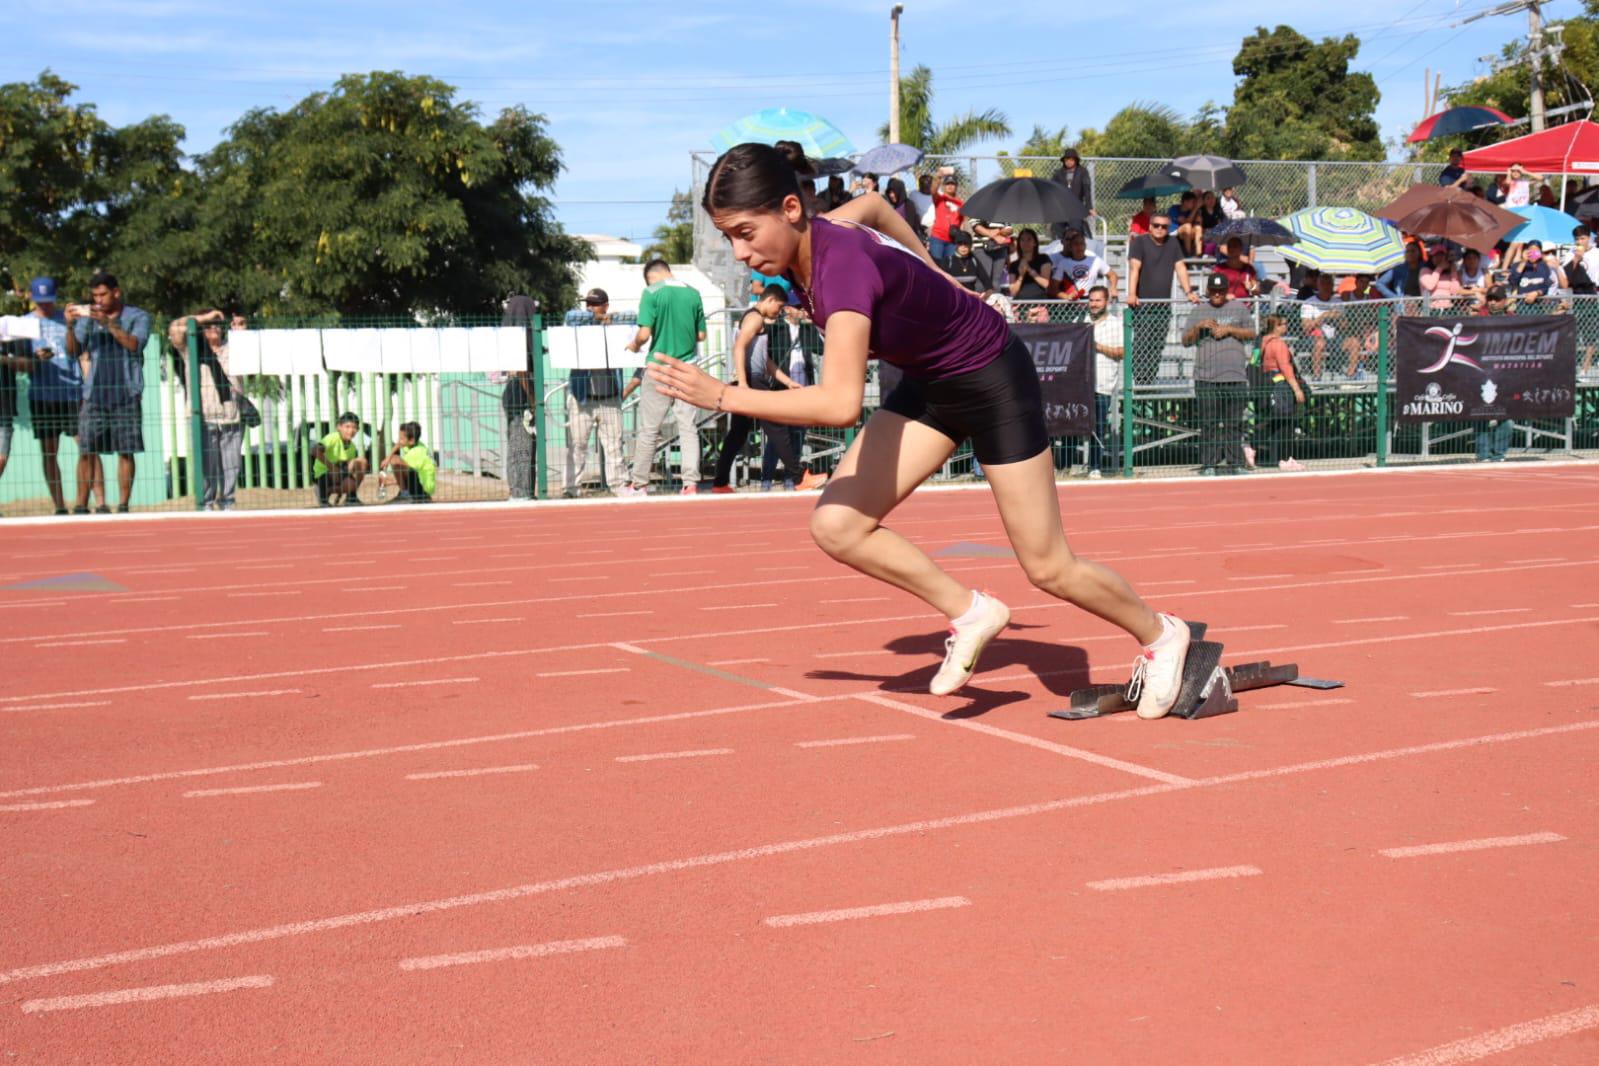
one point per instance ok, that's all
(1518, 186)
(1405, 279)
(1361, 335)
(1532, 280)
(758, 285)
(946, 215)
(900, 202)
(1154, 259)
(415, 473)
(594, 403)
(1110, 339)
(1496, 301)
(337, 464)
(1241, 281)
(1498, 188)
(55, 391)
(922, 200)
(1138, 225)
(1074, 176)
(1309, 283)
(1210, 215)
(836, 195)
(963, 266)
(11, 361)
(671, 321)
(863, 183)
(516, 400)
(1231, 209)
(108, 337)
(1582, 269)
(1079, 270)
(1029, 269)
(1188, 223)
(1439, 281)
(223, 446)
(1546, 196)
(1286, 396)
(1473, 274)
(1322, 314)
(991, 247)
(1220, 332)
(1492, 440)
(1455, 173)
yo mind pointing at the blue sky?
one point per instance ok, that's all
(631, 88)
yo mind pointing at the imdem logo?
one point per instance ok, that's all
(1452, 342)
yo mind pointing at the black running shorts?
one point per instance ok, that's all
(999, 407)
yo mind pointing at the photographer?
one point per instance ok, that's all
(108, 337)
(221, 405)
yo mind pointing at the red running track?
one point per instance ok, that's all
(662, 783)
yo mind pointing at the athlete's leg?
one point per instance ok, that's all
(890, 457)
(1030, 509)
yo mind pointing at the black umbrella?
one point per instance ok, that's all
(1207, 172)
(1156, 185)
(1255, 230)
(826, 168)
(1025, 200)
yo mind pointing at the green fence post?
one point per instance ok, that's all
(536, 344)
(1127, 393)
(1382, 385)
(196, 420)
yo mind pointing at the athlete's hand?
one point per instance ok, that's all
(686, 382)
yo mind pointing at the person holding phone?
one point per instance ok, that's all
(108, 337)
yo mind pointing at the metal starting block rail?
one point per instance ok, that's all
(1208, 689)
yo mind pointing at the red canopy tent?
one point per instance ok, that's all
(1569, 149)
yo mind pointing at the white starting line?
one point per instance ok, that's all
(878, 910)
(521, 951)
(1119, 883)
(142, 995)
(1471, 845)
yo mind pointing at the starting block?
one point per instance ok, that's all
(1208, 689)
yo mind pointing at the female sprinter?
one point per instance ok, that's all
(965, 376)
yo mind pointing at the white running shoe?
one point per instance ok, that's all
(1158, 673)
(965, 644)
(631, 492)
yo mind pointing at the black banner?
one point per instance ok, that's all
(1486, 367)
(1064, 355)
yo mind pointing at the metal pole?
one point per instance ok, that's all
(1382, 384)
(1535, 58)
(540, 467)
(893, 73)
(1127, 392)
(196, 420)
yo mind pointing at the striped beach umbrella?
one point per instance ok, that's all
(819, 137)
(1343, 240)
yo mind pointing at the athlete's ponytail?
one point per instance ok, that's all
(755, 177)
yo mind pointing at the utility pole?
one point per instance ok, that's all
(893, 73)
(1537, 52)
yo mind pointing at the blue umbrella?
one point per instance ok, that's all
(888, 159)
(1543, 224)
(819, 137)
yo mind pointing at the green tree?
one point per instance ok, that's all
(383, 196)
(917, 128)
(674, 239)
(1140, 131)
(1048, 144)
(1298, 100)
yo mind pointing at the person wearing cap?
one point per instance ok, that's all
(1074, 176)
(594, 404)
(55, 389)
(962, 266)
(1439, 282)
(1220, 330)
(946, 215)
(1532, 280)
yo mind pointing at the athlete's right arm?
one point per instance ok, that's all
(836, 401)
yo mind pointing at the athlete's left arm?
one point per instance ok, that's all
(835, 402)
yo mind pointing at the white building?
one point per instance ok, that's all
(624, 281)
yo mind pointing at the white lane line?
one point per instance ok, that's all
(781, 921)
(1576, 681)
(1452, 692)
(61, 706)
(267, 566)
(854, 654)
(522, 951)
(163, 570)
(1498, 1041)
(1299, 703)
(1023, 738)
(1583, 606)
(298, 786)
(43, 603)
(674, 755)
(585, 673)
(476, 584)
(1245, 629)
(257, 595)
(739, 607)
(845, 741)
(228, 636)
(411, 909)
(374, 588)
(735, 662)
(616, 614)
(147, 599)
(1162, 584)
(79, 643)
(1441, 566)
(1261, 577)
(248, 695)
(53, 805)
(1543, 559)
(359, 629)
(1364, 621)
(435, 681)
(143, 995)
(1470, 845)
(435, 774)
(561, 580)
(860, 599)
(483, 621)
(1116, 884)
(1379, 569)
(1496, 610)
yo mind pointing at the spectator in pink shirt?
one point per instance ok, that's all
(1439, 281)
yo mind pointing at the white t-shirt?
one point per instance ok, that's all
(1590, 264)
(1084, 273)
(1231, 208)
(1520, 194)
(1480, 278)
(1107, 371)
(1312, 312)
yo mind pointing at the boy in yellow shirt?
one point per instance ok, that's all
(338, 464)
(415, 473)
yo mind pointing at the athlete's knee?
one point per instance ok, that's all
(1059, 572)
(838, 531)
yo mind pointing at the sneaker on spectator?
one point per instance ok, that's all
(812, 481)
(1207, 471)
(80, 510)
(102, 509)
(1094, 475)
(632, 492)
(1290, 464)
(723, 489)
(788, 484)
(1249, 456)
(690, 489)
(766, 486)
(352, 500)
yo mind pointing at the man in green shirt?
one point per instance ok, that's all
(338, 465)
(412, 465)
(671, 320)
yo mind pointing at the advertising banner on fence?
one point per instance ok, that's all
(1486, 367)
(1064, 355)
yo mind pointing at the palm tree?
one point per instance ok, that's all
(916, 126)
